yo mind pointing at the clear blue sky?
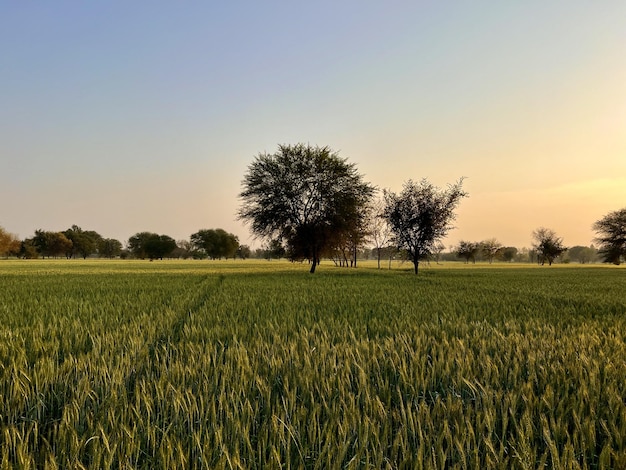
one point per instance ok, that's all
(143, 116)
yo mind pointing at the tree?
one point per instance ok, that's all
(507, 253)
(51, 243)
(467, 251)
(306, 197)
(58, 244)
(184, 249)
(84, 243)
(548, 245)
(28, 250)
(273, 250)
(611, 230)
(421, 215)
(437, 252)
(109, 248)
(490, 248)
(244, 252)
(378, 228)
(216, 243)
(9, 244)
(582, 254)
(136, 244)
(159, 246)
(151, 245)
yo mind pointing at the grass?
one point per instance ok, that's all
(130, 364)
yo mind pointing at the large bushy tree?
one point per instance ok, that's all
(159, 246)
(84, 242)
(421, 215)
(151, 245)
(307, 197)
(216, 243)
(611, 230)
(109, 248)
(50, 244)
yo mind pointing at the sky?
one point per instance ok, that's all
(123, 117)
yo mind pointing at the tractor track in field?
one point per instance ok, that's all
(171, 332)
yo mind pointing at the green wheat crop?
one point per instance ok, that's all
(261, 365)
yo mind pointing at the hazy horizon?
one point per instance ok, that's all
(123, 118)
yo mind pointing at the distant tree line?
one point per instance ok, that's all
(217, 244)
(306, 203)
(471, 252)
(78, 243)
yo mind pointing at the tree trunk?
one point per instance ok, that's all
(416, 262)
(313, 264)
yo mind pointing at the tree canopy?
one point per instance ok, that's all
(582, 254)
(51, 244)
(306, 197)
(467, 250)
(109, 247)
(215, 243)
(548, 245)
(421, 215)
(611, 230)
(84, 242)
(151, 245)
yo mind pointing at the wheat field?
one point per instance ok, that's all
(131, 364)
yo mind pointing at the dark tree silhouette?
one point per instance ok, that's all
(467, 251)
(151, 245)
(548, 245)
(490, 248)
(421, 215)
(306, 197)
(611, 231)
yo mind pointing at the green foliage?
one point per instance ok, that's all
(257, 365)
(216, 243)
(84, 242)
(109, 248)
(244, 252)
(158, 246)
(51, 244)
(582, 254)
(151, 245)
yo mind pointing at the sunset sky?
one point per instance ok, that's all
(123, 117)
